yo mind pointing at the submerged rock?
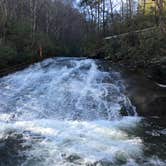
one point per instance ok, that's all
(123, 111)
(74, 158)
(100, 163)
(12, 149)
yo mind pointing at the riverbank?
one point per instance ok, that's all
(16, 67)
(20, 66)
(140, 52)
(148, 96)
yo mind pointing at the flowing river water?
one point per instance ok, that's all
(70, 112)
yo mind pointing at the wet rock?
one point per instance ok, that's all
(2, 145)
(158, 106)
(123, 111)
(11, 149)
(157, 70)
(73, 158)
(148, 98)
(150, 105)
(101, 163)
(121, 158)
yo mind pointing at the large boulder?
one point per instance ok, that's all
(148, 97)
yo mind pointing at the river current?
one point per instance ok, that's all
(70, 112)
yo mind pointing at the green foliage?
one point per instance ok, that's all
(137, 49)
(7, 55)
(57, 31)
(19, 33)
(43, 40)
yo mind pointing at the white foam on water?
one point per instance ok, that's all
(75, 89)
(74, 109)
(90, 140)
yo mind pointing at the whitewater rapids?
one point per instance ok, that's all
(68, 112)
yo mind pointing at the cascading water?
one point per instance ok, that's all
(66, 111)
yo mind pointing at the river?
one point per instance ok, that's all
(70, 112)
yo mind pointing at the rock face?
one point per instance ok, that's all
(147, 96)
(158, 106)
(157, 70)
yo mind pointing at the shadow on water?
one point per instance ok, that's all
(12, 149)
(154, 135)
(15, 146)
(152, 132)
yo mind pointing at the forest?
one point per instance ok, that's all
(31, 30)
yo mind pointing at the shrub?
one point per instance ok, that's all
(8, 54)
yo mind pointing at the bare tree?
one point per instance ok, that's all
(162, 19)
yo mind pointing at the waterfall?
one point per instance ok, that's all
(67, 111)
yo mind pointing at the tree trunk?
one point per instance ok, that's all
(98, 16)
(103, 17)
(131, 8)
(122, 12)
(162, 19)
(4, 17)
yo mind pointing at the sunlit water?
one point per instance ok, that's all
(67, 112)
